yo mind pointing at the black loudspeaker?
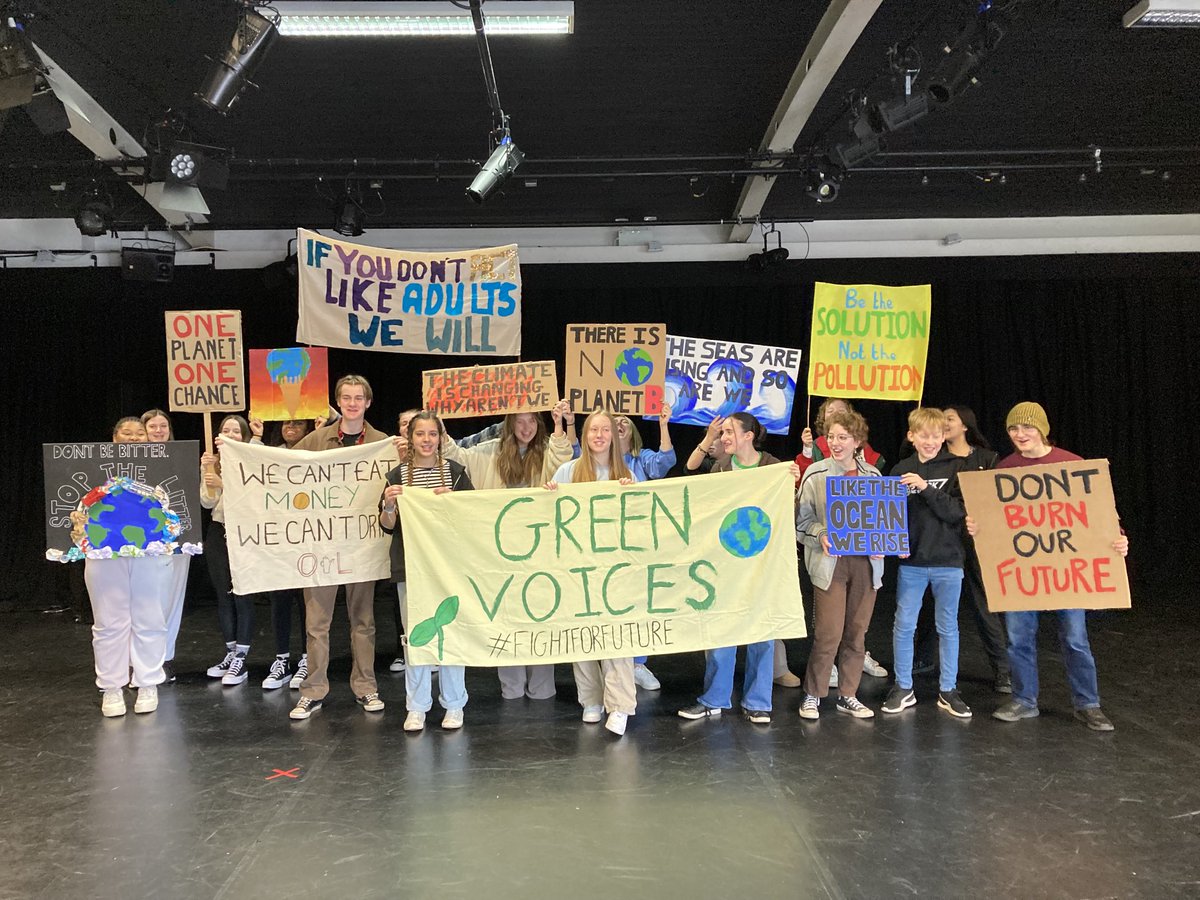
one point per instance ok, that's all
(138, 264)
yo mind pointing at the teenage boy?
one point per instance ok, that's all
(1029, 430)
(935, 560)
(353, 395)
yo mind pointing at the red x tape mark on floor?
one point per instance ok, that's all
(284, 773)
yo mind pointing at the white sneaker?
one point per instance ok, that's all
(397, 664)
(645, 679)
(616, 722)
(219, 670)
(453, 719)
(147, 700)
(301, 673)
(873, 668)
(305, 708)
(833, 677)
(414, 721)
(593, 714)
(113, 704)
(237, 671)
(278, 676)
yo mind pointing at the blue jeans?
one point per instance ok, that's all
(946, 584)
(1077, 655)
(756, 686)
(452, 687)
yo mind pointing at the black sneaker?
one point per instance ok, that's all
(758, 716)
(169, 671)
(952, 703)
(899, 699)
(699, 711)
(1003, 683)
(305, 708)
(852, 707)
(923, 666)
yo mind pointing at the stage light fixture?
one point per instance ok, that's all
(499, 166)
(822, 185)
(191, 165)
(18, 65)
(1164, 14)
(229, 75)
(900, 112)
(94, 217)
(770, 256)
(975, 42)
(349, 216)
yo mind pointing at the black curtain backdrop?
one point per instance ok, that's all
(1106, 343)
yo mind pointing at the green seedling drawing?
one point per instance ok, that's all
(424, 632)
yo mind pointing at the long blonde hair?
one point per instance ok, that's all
(585, 470)
(514, 469)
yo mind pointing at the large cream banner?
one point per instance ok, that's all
(297, 518)
(465, 302)
(601, 571)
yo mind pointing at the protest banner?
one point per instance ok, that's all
(598, 570)
(866, 516)
(465, 302)
(1045, 536)
(490, 390)
(299, 518)
(73, 471)
(619, 368)
(204, 360)
(289, 383)
(869, 341)
(710, 379)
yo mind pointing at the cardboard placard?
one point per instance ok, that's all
(1045, 536)
(204, 360)
(289, 383)
(72, 470)
(869, 340)
(403, 301)
(618, 368)
(706, 379)
(490, 390)
(866, 516)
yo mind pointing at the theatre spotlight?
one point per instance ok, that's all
(229, 75)
(822, 185)
(774, 256)
(196, 165)
(18, 64)
(499, 166)
(963, 58)
(348, 216)
(94, 217)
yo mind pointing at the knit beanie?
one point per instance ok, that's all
(1029, 413)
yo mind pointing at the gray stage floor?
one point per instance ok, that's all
(526, 801)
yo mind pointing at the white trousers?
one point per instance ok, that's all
(180, 563)
(128, 606)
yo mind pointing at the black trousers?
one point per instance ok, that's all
(235, 612)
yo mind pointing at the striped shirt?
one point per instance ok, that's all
(426, 476)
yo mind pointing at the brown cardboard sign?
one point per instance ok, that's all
(204, 360)
(1045, 536)
(495, 390)
(617, 368)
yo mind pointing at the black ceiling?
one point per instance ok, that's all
(679, 92)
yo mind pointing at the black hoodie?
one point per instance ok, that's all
(935, 515)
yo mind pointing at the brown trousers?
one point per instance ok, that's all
(841, 615)
(360, 607)
(608, 683)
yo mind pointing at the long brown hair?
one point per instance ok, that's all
(585, 469)
(410, 460)
(514, 469)
(242, 425)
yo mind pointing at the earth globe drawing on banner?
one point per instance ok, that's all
(745, 532)
(124, 513)
(733, 381)
(633, 366)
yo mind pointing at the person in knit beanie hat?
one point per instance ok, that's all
(1029, 429)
